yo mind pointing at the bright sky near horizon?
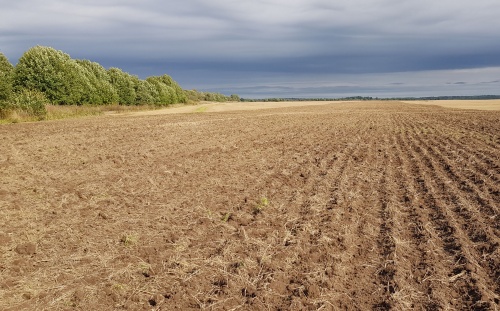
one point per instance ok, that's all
(275, 48)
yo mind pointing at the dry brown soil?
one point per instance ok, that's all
(493, 104)
(342, 206)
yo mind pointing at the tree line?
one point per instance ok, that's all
(368, 98)
(45, 75)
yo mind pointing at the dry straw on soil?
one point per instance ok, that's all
(377, 205)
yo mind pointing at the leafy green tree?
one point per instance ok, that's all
(215, 97)
(166, 94)
(53, 73)
(45, 74)
(194, 95)
(146, 93)
(101, 91)
(234, 98)
(6, 70)
(124, 84)
(180, 96)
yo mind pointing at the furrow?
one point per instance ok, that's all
(486, 166)
(481, 239)
(479, 176)
(387, 268)
(307, 217)
(467, 190)
(426, 267)
(410, 257)
(480, 171)
(356, 222)
(467, 187)
(476, 128)
(474, 287)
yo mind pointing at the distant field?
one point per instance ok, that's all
(245, 106)
(493, 104)
(230, 106)
(312, 206)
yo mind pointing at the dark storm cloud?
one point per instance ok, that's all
(231, 43)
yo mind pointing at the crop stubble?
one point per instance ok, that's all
(370, 206)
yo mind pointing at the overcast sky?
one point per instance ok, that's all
(275, 48)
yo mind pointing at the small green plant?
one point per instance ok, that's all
(261, 205)
(226, 217)
(129, 239)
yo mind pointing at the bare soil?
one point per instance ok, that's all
(227, 106)
(493, 104)
(342, 206)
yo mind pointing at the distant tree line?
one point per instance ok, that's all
(473, 97)
(45, 75)
(360, 98)
(194, 95)
(294, 99)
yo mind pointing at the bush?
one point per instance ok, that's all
(6, 70)
(4, 109)
(31, 102)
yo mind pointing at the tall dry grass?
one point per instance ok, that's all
(57, 112)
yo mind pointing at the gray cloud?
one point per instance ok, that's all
(228, 41)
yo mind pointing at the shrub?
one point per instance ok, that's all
(31, 102)
(6, 70)
(4, 109)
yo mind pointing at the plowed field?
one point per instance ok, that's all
(345, 206)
